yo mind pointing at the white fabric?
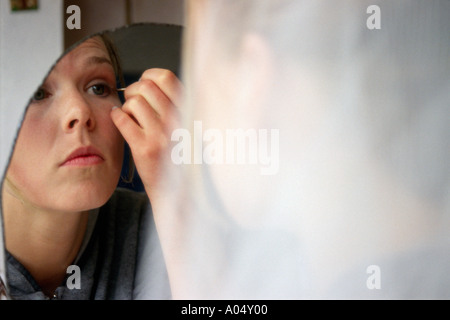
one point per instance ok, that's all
(361, 193)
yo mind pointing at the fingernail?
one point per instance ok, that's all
(114, 107)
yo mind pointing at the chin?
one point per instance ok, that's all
(87, 198)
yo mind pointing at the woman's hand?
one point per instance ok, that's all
(146, 121)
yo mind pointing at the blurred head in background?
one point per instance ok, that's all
(362, 145)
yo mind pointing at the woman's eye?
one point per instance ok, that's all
(100, 89)
(40, 94)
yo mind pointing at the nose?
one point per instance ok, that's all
(77, 112)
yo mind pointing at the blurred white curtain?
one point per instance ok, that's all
(347, 196)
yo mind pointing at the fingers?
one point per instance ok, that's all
(150, 106)
(167, 81)
(150, 96)
(146, 120)
(141, 111)
(128, 127)
(162, 91)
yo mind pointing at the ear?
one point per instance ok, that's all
(255, 72)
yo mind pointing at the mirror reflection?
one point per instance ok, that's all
(76, 192)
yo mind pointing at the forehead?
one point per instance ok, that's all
(85, 52)
(93, 45)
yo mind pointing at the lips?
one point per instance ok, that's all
(84, 156)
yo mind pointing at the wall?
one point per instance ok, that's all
(167, 11)
(100, 15)
(30, 41)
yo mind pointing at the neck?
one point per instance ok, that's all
(45, 242)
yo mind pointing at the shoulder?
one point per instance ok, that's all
(128, 200)
(130, 196)
(125, 208)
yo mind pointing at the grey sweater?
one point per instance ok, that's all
(108, 255)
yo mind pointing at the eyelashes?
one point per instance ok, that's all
(100, 89)
(40, 94)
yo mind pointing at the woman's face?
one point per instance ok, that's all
(68, 155)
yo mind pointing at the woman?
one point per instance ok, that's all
(61, 203)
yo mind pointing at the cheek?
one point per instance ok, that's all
(29, 169)
(34, 141)
(106, 125)
(110, 135)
